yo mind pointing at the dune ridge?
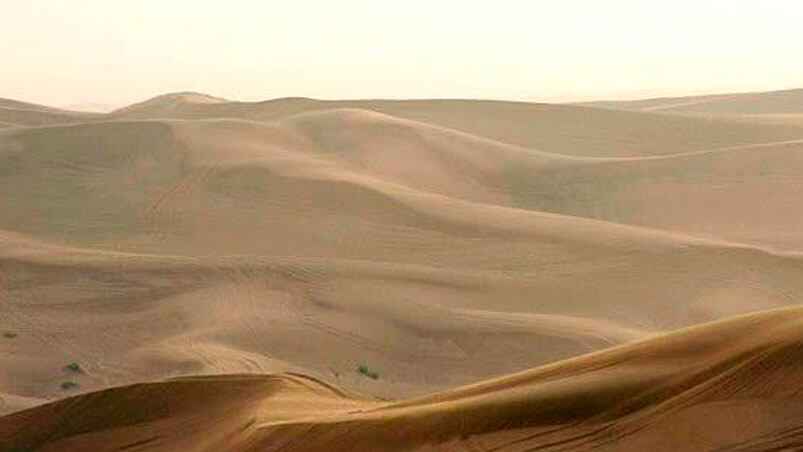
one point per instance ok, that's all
(788, 101)
(556, 128)
(781, 102)
(625, 398)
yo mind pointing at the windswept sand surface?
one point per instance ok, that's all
(438, 243)
(729, 385)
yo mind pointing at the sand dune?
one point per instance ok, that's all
(737, 379)
(761, 103)
(439, 243)
(678, 192)
(561, 129)
(16, 113)
(317, 225)
(165, 103)
(19, 105)
(745, 193)
(133, 317)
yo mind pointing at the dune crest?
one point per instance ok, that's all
(166, 102)
(627, 398)
(761, 103)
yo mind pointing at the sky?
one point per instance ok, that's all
(116, 52)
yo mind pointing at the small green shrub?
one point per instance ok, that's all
(366, 371)
(74, 368)
(67, 385)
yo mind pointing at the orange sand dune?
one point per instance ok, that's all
(731, 385)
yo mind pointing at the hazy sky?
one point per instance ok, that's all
(62, 52)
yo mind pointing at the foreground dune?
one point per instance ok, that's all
(729, 385)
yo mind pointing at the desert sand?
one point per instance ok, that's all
(788, 101)
(193, 273)
(729, 385)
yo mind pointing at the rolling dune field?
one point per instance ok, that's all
(193, 273)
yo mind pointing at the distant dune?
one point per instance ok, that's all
(396, 250)
(762, 103)
(14, 113)
(561, 129)
(167, 103)
(90, 107)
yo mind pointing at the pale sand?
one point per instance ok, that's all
(437, 242)
(788, 101)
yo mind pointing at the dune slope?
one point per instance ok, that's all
(16, 113)
(760, 103)
(561, 129)
(744, 193)
(144, 249)
(672, 392)
(397, 250)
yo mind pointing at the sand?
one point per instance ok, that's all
(729, 385)
(227, 268)
(788, 101)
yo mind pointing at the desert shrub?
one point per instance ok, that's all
(67, 385)
(9, 335)
(366, 371)
(73, 367)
